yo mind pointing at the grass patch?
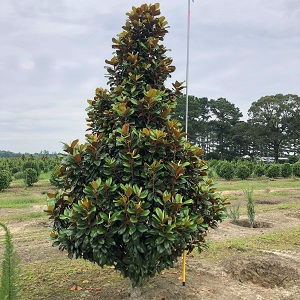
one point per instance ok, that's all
(19, 196)
(288, 206)
(19, 202)
(272, 194)
(22, 217)
(52, 279)
(45, 176)
(257, 184)
(272, 241)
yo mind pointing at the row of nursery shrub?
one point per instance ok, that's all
(26, 168)
(245, 169)
(16, 166)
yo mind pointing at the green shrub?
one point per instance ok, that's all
(15, 170)
(212, 173)
(251, 166)
(9, 277)
(293, 159)
(250, 206)
(296, 169)
(212, 163)
(5, 179)
(226, 170)
(135, 195)
(218, 167)
(19, 175)
(259, 171)
(273, 171)
(286, 170)
(242, 171)
(233, 212)
(32, 164)
(30, 177)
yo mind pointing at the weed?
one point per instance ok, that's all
(233, 212)
(250, 205)
(8, 290)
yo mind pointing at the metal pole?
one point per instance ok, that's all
(186, 114)
(187, 67)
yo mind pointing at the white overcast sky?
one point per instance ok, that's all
(52, 56)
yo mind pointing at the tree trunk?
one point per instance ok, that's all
(276, 151)
(136, 293)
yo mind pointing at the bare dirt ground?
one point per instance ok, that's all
(241, 262)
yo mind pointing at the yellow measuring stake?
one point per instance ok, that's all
(183, 267)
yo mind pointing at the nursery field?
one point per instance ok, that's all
(240, 263)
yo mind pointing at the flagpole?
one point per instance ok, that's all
(187, 67)
(186, 115)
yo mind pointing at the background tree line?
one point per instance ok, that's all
(271, 130)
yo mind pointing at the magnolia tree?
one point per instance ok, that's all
(135, 195)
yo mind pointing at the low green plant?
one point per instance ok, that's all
(218, 167)
(293, 159)
(32, 164)
(9, 278)
(286, 170)
(212, 174)
(250, 206)
(296, 169)
(233, 212)
(273, 171)
(242, 171)
(226, 170)
(19, 175)
(5, 179)
(30, 177)
(259, 171)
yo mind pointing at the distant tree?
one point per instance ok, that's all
(275, 121)
(5, 179)
(225, 116)
(240, 136)
(198, 119)
(30, 176)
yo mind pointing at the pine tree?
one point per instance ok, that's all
(8, 288)
(135, 195)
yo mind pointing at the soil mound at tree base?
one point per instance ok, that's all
(293, 215)
(268, 271)
(269, 201)
(257, 224)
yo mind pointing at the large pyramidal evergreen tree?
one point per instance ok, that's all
(134, 195)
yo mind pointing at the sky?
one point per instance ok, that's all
(52, 58)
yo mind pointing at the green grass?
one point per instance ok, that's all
(54, 278)
(19, 202)
(273, 194)
(19, 196)
(257, 184)
(45, 176)
(283, 206)
(272, 241)
(22, 217)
